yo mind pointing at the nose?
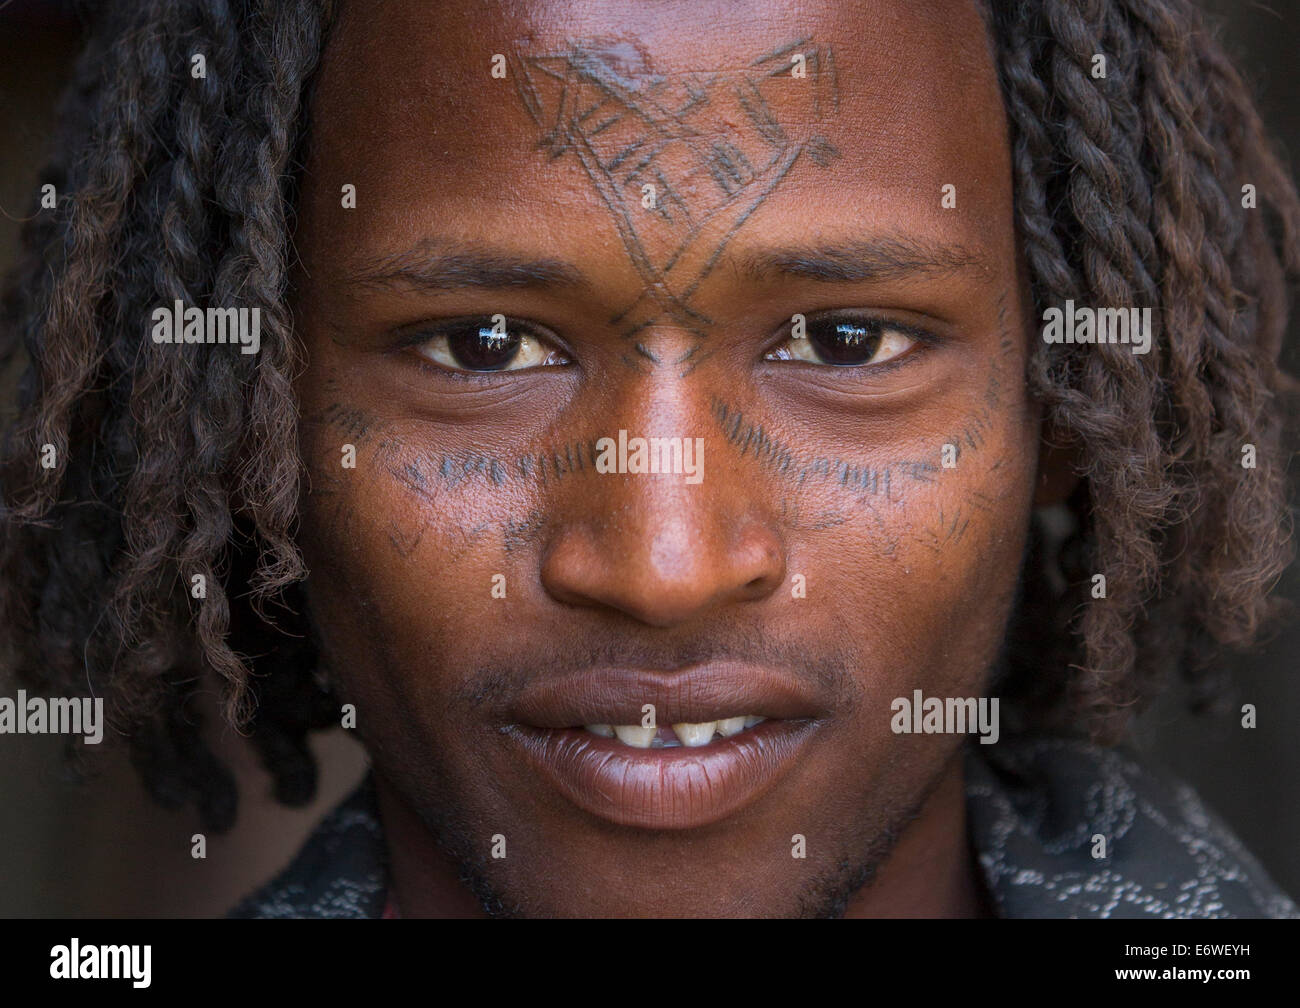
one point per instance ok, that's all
(659, 548)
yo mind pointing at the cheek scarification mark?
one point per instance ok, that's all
(802, 468)
(680, 161)
(426, 472)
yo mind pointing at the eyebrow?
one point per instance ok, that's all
(881, 258)
(426, 267)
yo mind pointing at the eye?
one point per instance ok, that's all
(847, 342)
(478, 344)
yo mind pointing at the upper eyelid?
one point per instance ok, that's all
(925, 342)
(848, 315)
(416, 335)
(423, 332)
(923, 337)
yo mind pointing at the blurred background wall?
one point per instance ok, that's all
(104, 849)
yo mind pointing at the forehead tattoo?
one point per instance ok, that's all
(680, 161)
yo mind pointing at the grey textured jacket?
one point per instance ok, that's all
(1033, 807)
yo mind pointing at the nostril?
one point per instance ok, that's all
(761, 586)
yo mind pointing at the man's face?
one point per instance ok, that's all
(647, 198)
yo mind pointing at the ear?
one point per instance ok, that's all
(1058, 466)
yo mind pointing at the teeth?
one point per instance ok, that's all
(695, 734)
(635, 735)
(688, 734)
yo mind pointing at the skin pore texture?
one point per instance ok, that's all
(774, 194)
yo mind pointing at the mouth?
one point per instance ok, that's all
(664, 750)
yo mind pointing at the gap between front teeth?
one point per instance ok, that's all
(688, 734)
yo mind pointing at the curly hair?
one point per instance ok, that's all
(1127, 192)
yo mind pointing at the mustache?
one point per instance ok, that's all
(825, 665)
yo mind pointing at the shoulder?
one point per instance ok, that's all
(1039, 807)
(339, 872)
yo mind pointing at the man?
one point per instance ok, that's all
(672, 398)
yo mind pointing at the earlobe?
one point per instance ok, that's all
(1058, 467)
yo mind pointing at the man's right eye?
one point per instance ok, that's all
(479, 345)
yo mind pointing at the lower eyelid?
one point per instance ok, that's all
(918, 342)
(918, 351)
(441, 371)
(913, 339)
(427, 362)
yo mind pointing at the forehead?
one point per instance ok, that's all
(803, 111)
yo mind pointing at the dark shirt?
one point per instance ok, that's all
(1034, 807)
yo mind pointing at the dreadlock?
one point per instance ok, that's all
(168, 466)
(1129, 191)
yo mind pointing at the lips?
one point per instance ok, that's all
(673, 787)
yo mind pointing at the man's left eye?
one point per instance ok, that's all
(846, 342)
(477, 345)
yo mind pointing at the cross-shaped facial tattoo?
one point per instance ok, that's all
(688, 158)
